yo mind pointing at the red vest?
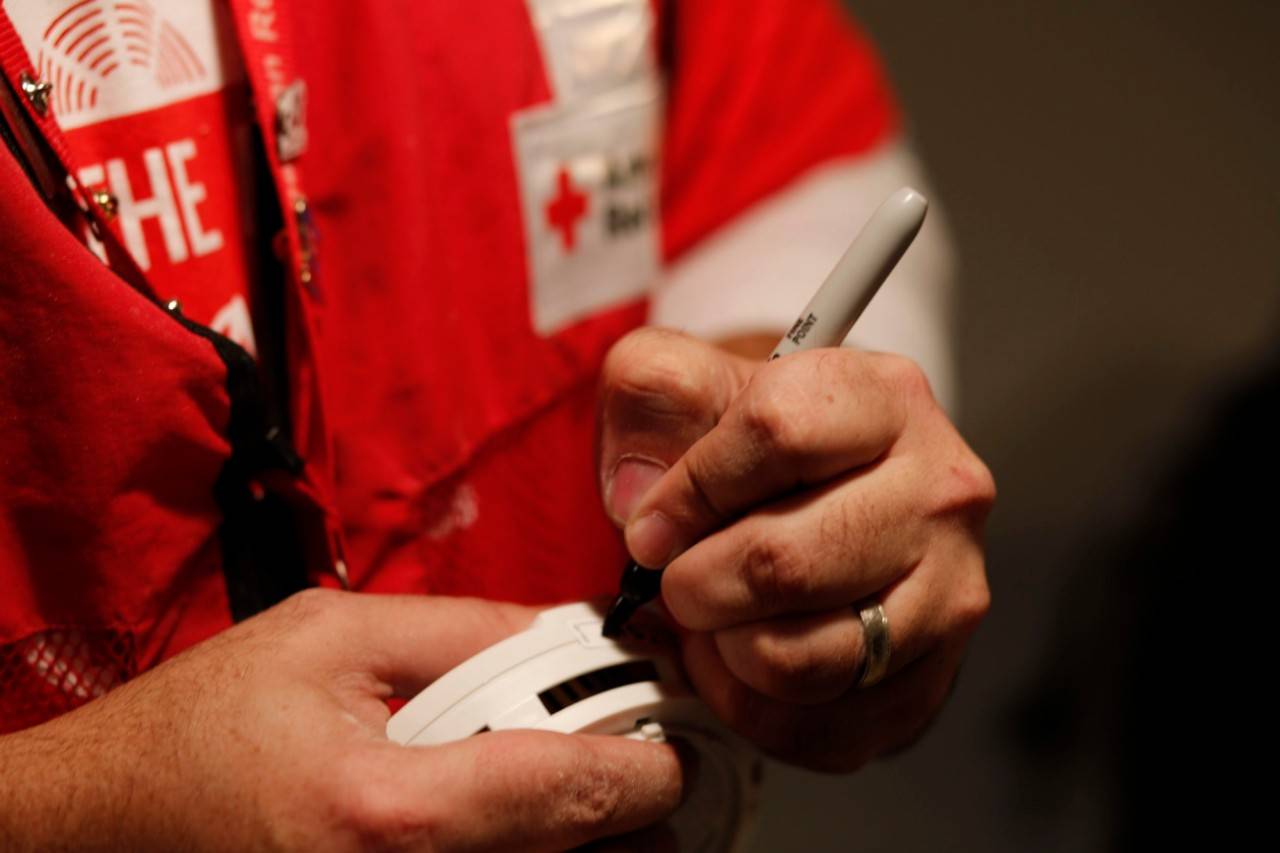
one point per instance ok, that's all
(473, 199)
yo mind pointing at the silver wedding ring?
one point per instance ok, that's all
(877, 647)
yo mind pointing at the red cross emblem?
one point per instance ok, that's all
(566, 209)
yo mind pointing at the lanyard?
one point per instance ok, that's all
(267, 42)
(279, 103)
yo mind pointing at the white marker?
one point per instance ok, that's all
(848, 290)
(824, 322)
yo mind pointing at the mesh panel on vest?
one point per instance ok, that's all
(54, 671)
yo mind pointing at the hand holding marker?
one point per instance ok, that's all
(825, 322)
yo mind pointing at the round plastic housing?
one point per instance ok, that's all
(563, 675)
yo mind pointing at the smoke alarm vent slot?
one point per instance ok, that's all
(571, 692)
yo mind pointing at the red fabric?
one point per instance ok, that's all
(112, 420)
(748, 112)
(520, 521)
(426, 346)
(762, 91)
(456, 443)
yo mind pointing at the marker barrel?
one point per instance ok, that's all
(831, 313)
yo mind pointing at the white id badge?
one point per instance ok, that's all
(587, 162)
(589, 189)
(589, 46)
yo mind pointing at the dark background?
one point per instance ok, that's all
(1111, 173)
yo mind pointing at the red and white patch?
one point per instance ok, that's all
(157, 119)
(108, 58)
(588, 161)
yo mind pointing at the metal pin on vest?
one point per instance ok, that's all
(37, 92)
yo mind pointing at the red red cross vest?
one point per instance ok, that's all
(469, 203)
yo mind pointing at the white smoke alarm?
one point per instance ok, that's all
(563, 675)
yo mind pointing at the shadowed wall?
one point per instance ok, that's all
(1111, 173)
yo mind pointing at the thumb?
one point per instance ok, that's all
(532, 790)
(660, 392)
(408, 641)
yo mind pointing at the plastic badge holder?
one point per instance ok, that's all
(562, 675)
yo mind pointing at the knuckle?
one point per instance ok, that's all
(790, 668)
(976, 478)
(984, 481)
(841, 371)
(374, 810)
(973, 604)
(635, 348)
(377, 813)
(771, 423)
(774, 569)
(313, 619)
(905, 378)
(589, 796)
(906, 375)
(313, 604)
(968, 489)
(648, 369)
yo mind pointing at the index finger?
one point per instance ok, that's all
(800, 421)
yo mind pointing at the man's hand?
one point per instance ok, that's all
(271, 736)
(781, 497)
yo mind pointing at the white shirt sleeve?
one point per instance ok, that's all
(759, 270)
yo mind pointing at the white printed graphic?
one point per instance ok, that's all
(234, 322)
(587, 162)
(110, 58)
(183, 236)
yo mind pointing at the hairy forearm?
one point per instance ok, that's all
(103, 777)
(52, 795)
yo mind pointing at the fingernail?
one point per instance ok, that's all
(652, 540)
(632, 478)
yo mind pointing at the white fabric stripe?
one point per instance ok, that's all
(757, 272)
(593, 46)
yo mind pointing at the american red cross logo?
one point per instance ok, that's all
(564, 211)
